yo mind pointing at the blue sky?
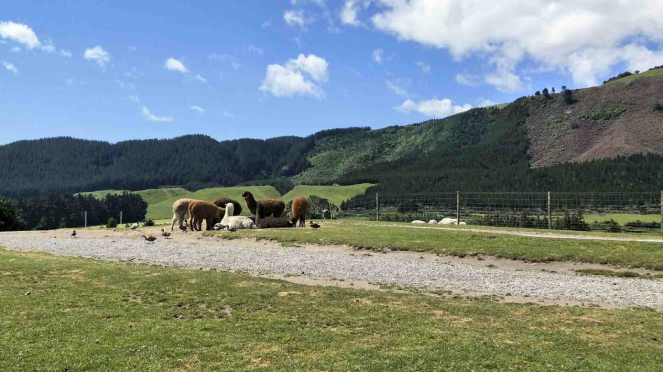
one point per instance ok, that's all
(119, 70)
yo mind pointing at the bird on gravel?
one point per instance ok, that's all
(134, 226)
(73, 234)
(232, 229)
(314, 226)
(150, 239)
(165, 234)
(183, 228)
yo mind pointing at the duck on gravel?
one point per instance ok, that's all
(165, 234)
(149, 239)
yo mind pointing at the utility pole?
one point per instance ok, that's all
(457, 208)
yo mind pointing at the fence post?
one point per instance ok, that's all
(120, 217)
(331, 213)
(549, 213)
(85, 219)
(661, 212)
(377, 207)
(457, 208)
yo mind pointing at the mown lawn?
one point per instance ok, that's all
(464, 243)
(84, 315)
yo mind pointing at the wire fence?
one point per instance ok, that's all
(613, 212)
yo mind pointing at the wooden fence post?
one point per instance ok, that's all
(661, 212)
(549, 213)
(457, 208)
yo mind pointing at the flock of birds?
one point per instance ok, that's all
(166, 234)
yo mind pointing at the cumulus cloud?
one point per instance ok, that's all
(15, 50)
(151, 117)
(301, 76)
(97, 54)
(20, 33)
(425, 68)
(487, 103)
(198, 109)
(294, 18)
(235, 65)
(433, 107)
(65, 53)
(399, 91)
(172, 64)
(134, 99)
(582, 37)
(10, 67)
(377, 55)
(505, 81)
(350, 11)
(468, 79)
(257, 50)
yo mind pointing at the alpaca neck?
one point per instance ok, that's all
(251, 203)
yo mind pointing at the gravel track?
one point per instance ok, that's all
(393, 268)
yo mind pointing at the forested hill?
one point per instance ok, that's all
(524, 146)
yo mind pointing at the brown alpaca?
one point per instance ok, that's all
(201, 210)
(272, 206)
(223, 201)
(299, 211)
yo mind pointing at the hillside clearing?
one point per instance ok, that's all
(335, 194)
(642, 75)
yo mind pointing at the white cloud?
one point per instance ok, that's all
(320, 3)
(350, 11)
(65, 53)
(228, 114)
(487, 103)
(235, 65)
(294, 18)
(266, 24)
(97, 54)
(172, 64)
(377, 55)
(48, 46)
(20, 33)
(15, 50)
(505, 81)
(468, 79)
(396, 89)
(10, 67)
(582, 37)
(425, 68)
(433, 107)
(151, 117)
(198, 109)
(134, 99)
(201, 79)
(123, 85)
(298, 77)
(257, 50)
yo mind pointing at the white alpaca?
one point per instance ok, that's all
(418, 222)
(236, 222)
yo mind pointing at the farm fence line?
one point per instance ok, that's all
(613, 212)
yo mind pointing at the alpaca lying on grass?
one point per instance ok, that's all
(272, 206)
(236, 222)
(201, 210)
(263, 222)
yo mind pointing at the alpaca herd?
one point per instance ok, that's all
(267, 213)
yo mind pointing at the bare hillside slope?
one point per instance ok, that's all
(605, 122)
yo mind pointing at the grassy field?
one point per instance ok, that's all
(459, 243)
(646, 74)
(151, 196)
(84, 315)
(622, 218)
(335, 194)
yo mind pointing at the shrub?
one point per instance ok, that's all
(613, 227)
(111, 223)
(658, 106)
(568, 97)
(546, 93)
(148, 222)
(537, 93)
(10, 220)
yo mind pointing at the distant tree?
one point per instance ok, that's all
(538, 93)
(563, 88)
(111, 224)
(546, 93)
(637, 72)
(568, 97)
(10, 219)
(553, 90)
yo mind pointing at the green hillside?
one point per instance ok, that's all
(647, 74)
(335, 194)
(160, 201)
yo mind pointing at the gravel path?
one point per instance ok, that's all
(393, 268)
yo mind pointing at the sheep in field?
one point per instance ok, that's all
(299, 211)
(236, 222)
(221, 202)
(272, 206)
(263, 222)
(180, 212)
(201, 210)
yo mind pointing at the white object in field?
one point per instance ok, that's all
(432, 222)
(448, 221)
(418, 222)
